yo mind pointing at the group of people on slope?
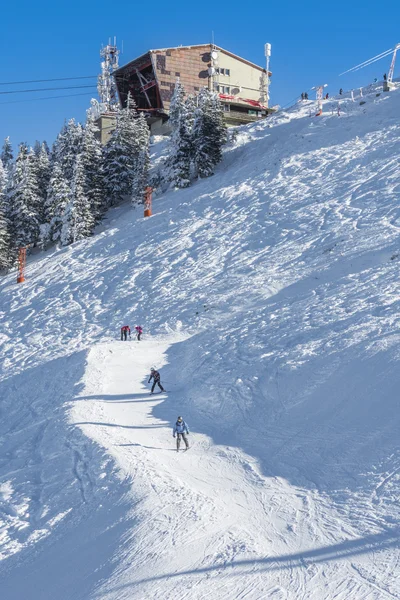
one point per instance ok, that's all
(180, 430)
(126, 330)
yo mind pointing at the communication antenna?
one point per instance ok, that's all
(267, 49)
(213, 70)
(319, 93)
(106, 85)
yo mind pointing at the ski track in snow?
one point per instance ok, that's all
(270, 299)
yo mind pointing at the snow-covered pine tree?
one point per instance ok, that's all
(92, 159)
(208, 133)
(84, 220)
(180, 143)
(41, 167)
(23, 201)
(4, 224)
(6, 155)
(58, 197)
(177, 104)
(142, 160)
(120, 155)
(36, 148)
(67, 146)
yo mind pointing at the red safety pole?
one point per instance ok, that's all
(147, 201)
(21, 265)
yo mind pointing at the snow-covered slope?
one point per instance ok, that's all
(269, 296)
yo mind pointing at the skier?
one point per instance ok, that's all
(384, 77)
(305, 95)
(181, 431)
(302, 95)
(327, 96)
(155, 375)
(124, 332)
(341, 91)
(139, 332)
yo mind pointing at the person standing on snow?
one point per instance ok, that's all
(139, 332)
(155, 375)
(181, 430)
(124, 332)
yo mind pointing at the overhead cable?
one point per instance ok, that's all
(369, 61)
(46, 80)
(73, 87)
(47, 98)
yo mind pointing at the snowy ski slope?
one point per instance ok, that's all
(269, 296)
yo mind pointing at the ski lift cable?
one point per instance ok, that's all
(47, 98)
(369, 61)
(73, 87)
(47, 80)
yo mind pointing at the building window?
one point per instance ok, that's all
(216, 87)
(227, 107)
(196, 89)
(221, 71)
(177, 74)
(226, 89)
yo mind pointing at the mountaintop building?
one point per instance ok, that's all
(150, 79)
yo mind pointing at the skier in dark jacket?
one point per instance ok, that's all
(124, 332)
(181, 430)
(155, 375)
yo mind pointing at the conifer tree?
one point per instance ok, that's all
(120, 155)
(23, 200)
(208, 133)
(92, 159)
(142, 160)
(4, 223)
(84, 220)
(67, 147)
(177, 102)
(40, 164)
(180, 143)
(6, 155)
(58, 196)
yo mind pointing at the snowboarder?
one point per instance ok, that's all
(181, 431)
(139, 332)
(124, 332)
(155, 375)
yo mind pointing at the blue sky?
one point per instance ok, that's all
(312, 42)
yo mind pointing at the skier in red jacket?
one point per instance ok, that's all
(124, 332)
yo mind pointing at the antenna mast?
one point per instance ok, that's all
(267, 49)
(106, 85)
